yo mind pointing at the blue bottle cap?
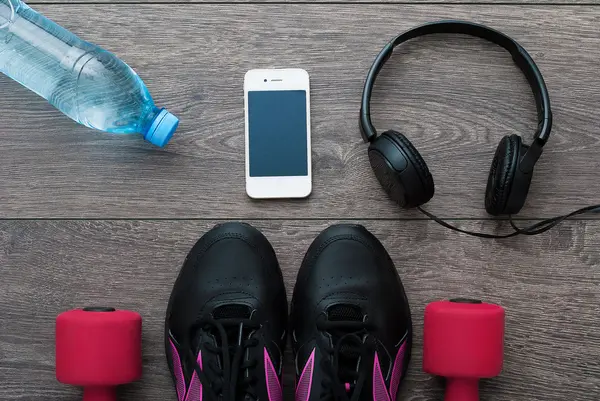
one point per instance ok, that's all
(162, 128)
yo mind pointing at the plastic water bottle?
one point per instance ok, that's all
(87, 83)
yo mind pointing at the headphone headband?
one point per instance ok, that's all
(520, 56)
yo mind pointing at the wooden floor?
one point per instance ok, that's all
(87, 218)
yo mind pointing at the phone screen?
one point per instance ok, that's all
(277, 133)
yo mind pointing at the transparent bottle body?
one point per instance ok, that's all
(85, 82)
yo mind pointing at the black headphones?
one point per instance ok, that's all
(399, 166)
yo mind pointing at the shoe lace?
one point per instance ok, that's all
(236, 372)
(345, 368)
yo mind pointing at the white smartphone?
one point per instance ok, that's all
(278, 151)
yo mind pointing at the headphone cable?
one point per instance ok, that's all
(534, 229)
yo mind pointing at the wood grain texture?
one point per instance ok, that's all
(401, 2)
(550, 286)
(455, 97)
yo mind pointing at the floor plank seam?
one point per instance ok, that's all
(317, 219)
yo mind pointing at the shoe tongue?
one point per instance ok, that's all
(232, 311)
(349, 353)
(342, 312)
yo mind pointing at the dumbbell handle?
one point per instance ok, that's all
(461, 389)
(99, 394)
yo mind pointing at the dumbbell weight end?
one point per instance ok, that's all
(97, 393)
(461, 390)
(98, 348)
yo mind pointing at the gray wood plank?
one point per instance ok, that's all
(433, 2)
(454, 97)
(549, 285)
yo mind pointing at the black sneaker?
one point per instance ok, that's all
(352, 329)
(226, 320)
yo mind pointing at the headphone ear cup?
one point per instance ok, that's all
(419, 165)
(401, 170)
(507, 185)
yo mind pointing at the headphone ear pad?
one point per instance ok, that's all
(401, 170)
(507, 185)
